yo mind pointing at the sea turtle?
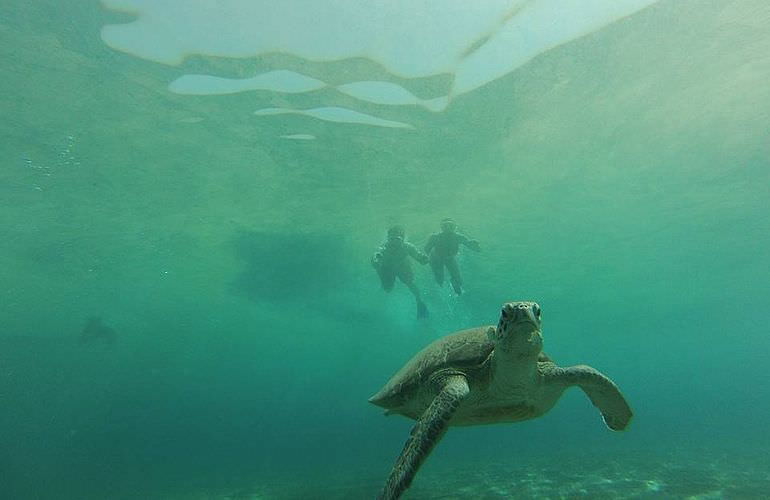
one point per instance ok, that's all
(485, 375)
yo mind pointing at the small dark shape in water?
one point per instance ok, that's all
(96, 331)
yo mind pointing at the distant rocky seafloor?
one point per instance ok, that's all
(691, 475)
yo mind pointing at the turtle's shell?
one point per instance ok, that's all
(462, 350)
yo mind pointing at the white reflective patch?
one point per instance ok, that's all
(278, 81)
(299, 137)
(390, 94)
(335, 114)
(408, 38)
(476, 41)
(537, 27)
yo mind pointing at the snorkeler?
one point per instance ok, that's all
(391, 261)
(443, 247)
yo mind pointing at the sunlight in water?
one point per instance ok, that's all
(475, 43)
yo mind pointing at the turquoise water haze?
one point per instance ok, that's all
(187, 305)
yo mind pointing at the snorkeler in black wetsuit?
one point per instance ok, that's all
(391, 260)
(442, 249)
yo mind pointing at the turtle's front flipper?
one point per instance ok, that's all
(428, 430)
(602, 392)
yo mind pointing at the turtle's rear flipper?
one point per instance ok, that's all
(428, 430)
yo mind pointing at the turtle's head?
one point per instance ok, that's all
(518, 331)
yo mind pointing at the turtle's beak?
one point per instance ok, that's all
(514, 315)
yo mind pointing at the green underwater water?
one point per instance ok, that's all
(621, 180)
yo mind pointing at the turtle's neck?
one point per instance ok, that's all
(513, 369)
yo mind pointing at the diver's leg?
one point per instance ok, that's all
(454, 275)
(387, 278)
(407, 277)
(437, 265)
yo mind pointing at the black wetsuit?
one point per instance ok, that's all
(442, 249)
(391, 261)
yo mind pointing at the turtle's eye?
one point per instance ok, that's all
(536, 310)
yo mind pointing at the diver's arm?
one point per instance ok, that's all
(377, 257)
(430, 244)
(416, 254)
(472, 244)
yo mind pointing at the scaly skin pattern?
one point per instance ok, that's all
(425, 434)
